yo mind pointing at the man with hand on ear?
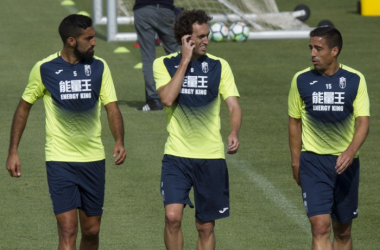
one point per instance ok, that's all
(191, 85)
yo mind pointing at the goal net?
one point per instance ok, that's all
(263, 17)
(259, 14)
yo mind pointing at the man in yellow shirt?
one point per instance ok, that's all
(190, 84)
(328, 111)
(73, 84)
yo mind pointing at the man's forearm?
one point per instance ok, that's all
(295, 139)
(18, 125)
(361, 132)
(116, 123)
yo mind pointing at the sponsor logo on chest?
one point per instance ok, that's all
(329, 100)
(196, 85)
(77, 88)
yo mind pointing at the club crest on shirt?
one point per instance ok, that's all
(205, 67)
(87, 70)
(342, 82)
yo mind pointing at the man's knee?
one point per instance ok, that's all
(320, 225)
(90, 225)
(92, 231)
(342, 231)
(343, 237)
(320, 229)
(67, 230)
(173, 219)
(205, 229)
(67, 224)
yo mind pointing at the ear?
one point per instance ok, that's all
(71, 41)
(335, 51)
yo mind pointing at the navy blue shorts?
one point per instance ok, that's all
(326, 192)
(77, 185)
(209, 178)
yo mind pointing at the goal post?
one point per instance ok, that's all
(262, 15)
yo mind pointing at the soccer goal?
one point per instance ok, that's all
(263, 17)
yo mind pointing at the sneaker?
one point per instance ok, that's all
(149, 107)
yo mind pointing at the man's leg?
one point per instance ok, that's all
(347, 199)
(67, 224)
(342, 235)
(206, 235)
(90, 228)
(164, 27)
(320, 229)
(146, 38)
(173, 233)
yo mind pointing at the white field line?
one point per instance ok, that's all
(272, 193)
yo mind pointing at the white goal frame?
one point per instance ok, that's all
(112, 20)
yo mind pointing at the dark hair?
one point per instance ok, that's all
(185, 21)
(73, 26)
(332, 35)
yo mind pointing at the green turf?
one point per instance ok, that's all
(266, 205)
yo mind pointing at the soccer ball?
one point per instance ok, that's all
(239, 32)
(218, 32)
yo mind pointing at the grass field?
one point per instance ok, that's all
(266, 206)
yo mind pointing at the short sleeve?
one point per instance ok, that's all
(294, 100)
(35, 88)
(107, 91)
(161, 74)
(227, 82)
(361, 103)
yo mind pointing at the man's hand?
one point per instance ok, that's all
(13, 165)
(119, 154)
(233, 143)
(296, 173)
(234, 111)
(344, 160)
(188, 46)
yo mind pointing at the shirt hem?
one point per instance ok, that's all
(215, 156)
(75, 160)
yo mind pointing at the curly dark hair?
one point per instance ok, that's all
(185, 21)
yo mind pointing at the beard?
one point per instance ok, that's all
(87, 55)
